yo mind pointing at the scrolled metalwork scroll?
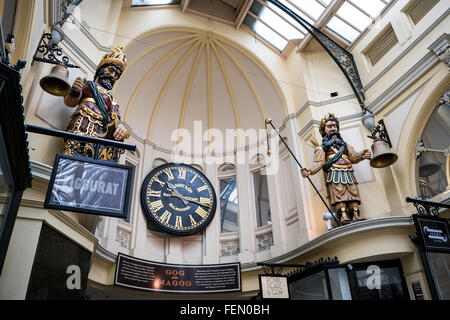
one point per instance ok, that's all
(272, 270)
(51, 53)
(380, 133)
(427, 208)
(94, 151)
(110, 153)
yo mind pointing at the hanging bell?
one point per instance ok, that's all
(428, 165)
(382, 156)
(56, 83)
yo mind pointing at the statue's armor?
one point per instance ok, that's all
(87, 119)
(341, 171)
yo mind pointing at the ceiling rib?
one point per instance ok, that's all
(262, 67)
(159, 45)
(189, 84)
(163, 90)
(149, 73)
(209, 83)
(229, 86)
(259, 101)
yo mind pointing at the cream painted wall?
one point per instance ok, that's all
(408, 34)
(301, 77)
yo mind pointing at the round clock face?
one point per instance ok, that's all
(178, 199)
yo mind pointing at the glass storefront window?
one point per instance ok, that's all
(390, 288)
(351, 282)
(440, 267)
(313, 287)
(340, 287)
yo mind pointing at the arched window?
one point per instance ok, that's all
(229, 221)
(158, 162)
(434, 161)
(261, 191)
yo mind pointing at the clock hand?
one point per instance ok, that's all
(191, 200)
(174, 193)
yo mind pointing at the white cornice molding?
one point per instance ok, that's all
(41, 170)
(334, 235)
(104, 254)
(79, 54)
(394, 90)
(414, 73)
(407, 50)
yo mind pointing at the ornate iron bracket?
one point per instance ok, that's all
(427, 208)
(380, 133)
(49, 52)
(342, 57)
(277, 268)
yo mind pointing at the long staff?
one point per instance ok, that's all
(269, 121)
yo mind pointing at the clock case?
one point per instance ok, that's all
(158, 227)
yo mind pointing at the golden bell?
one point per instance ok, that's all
(428, 165)
(382, 156)
(57, 82)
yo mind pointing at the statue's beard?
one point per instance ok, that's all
(106, 81)
(329, 141)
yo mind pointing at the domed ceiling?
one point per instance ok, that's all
(175, 78)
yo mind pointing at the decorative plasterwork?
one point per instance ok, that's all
(178, 77)
(437, 48)
(334, 235)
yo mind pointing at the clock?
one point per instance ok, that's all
(178, 199)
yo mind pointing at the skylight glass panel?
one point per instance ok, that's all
(265, 32)
(343, 29)
(351, 14)
(272, 19)
(287, 17)
(138, 3)
(311, 7)
(372, 7)
(296, 11)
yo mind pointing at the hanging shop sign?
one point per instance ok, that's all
(273, 287)
(146, 275)
(433, 232)
(90, 186)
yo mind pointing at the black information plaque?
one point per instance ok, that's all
(90, 186)
(433, 232)
(146, 275)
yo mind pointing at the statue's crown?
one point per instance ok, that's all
(323, 122)
(117, 56)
